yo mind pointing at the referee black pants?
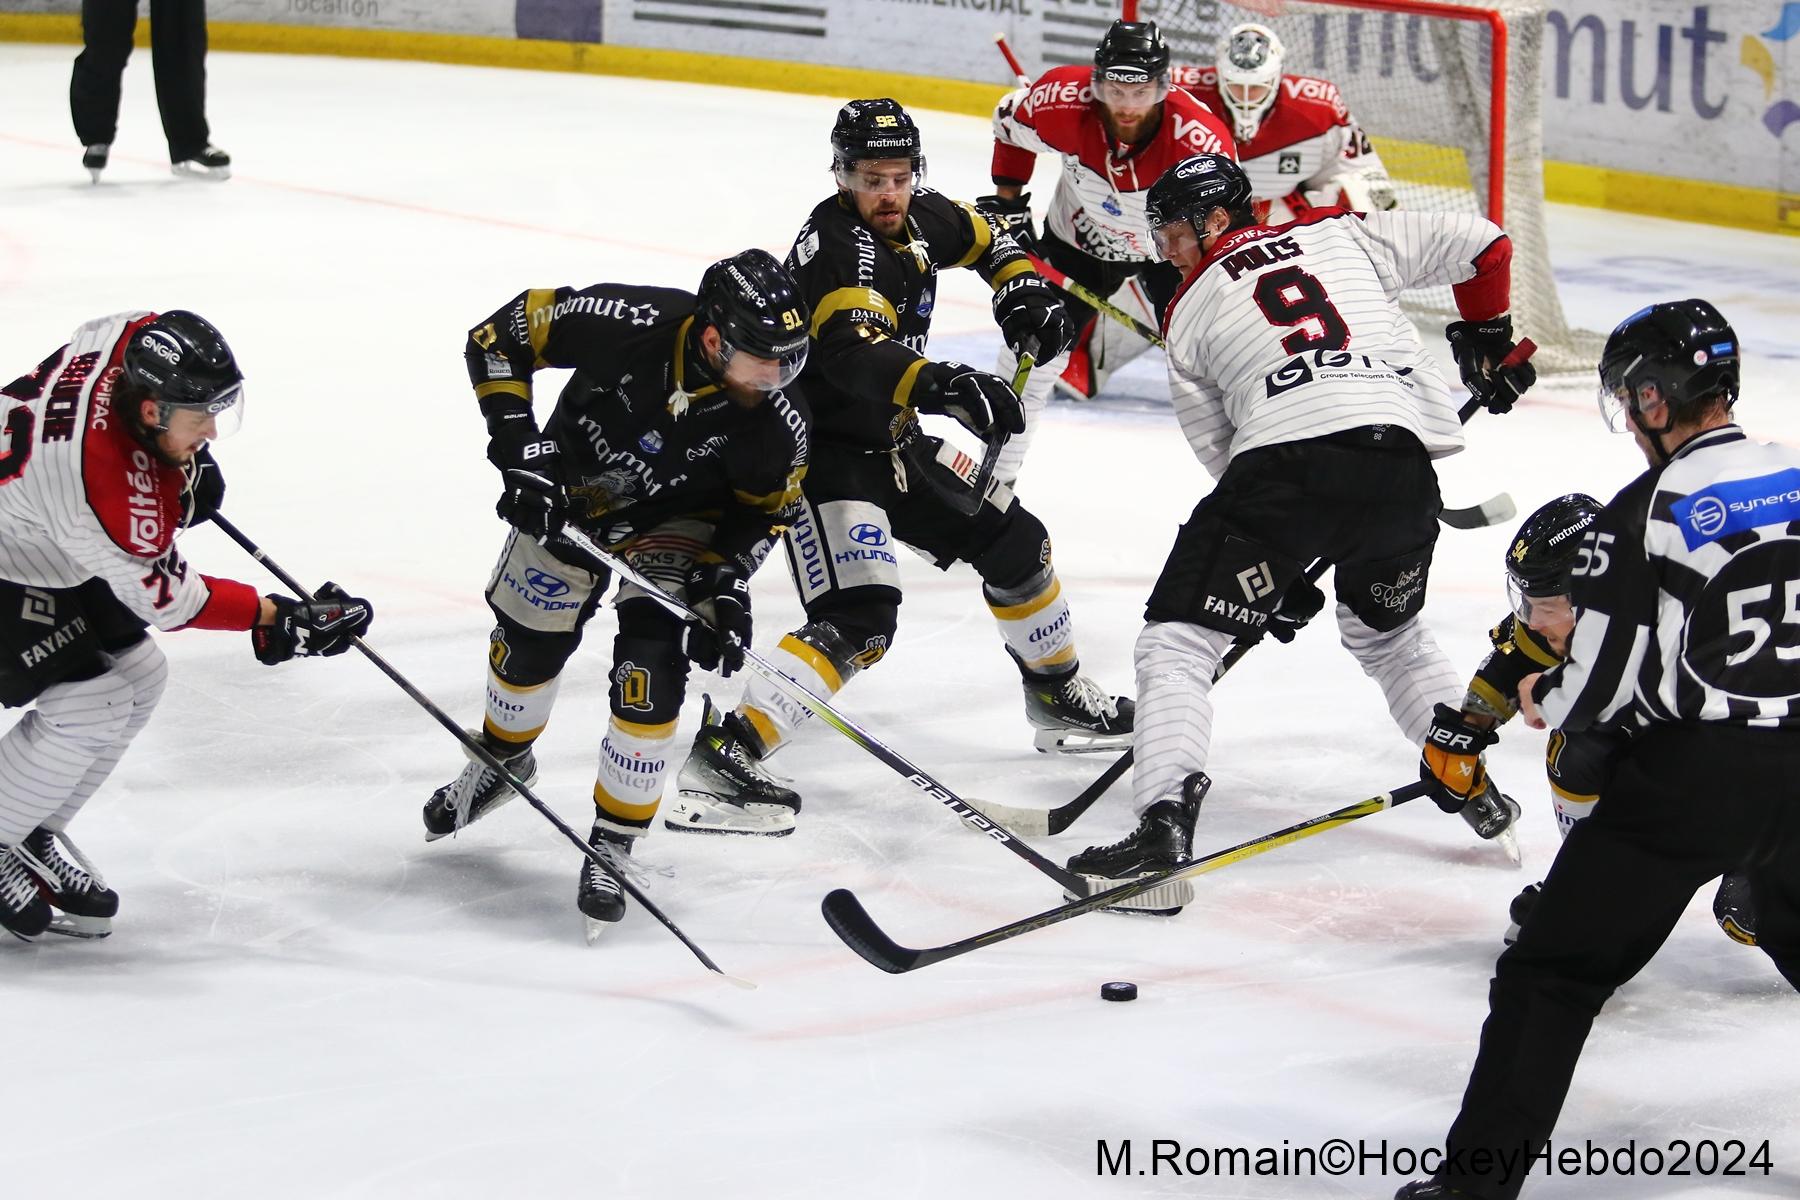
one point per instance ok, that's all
(1688, 803)
(178, 53)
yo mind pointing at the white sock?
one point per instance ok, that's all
(1034, 397)
(44, 757)
(1412, 672)
(1175, 663)
(147, 671)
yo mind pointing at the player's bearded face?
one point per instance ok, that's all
(1131, 108)
(185, 433)
(883, 189)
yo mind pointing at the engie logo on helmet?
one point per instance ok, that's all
(161, 345)
(1196, 166)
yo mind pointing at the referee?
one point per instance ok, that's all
(1687, 590)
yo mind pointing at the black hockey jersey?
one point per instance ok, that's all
(644, 433)
(872, 299)
(1518, 651)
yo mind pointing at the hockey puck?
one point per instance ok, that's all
(1118, 991)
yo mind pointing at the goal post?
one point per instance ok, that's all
(1448, 92)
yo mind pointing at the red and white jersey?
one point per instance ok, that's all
(1293, 331)
(80, 499)
(1099, 202)
(1307, 142)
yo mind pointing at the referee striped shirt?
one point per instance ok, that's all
(1687, 591)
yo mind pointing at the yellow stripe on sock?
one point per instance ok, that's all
(823, 666)
(1061, 658)
(1018, 612)
(664, 729)
(512, 737)
(619, 810)
(766, 733)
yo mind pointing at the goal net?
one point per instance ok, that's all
(1447, 91)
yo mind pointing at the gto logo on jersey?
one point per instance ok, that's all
(1256, 582)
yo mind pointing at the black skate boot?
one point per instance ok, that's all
(1163, 840)
(84, 905)
(1430, 1189)
(475, 793)
(599, 896)
(94, 159)
(1492, 816)
(1074, 715)
(1734, 910)
(23, 910)
(211, 163)
(1519, 909)
(724, 788)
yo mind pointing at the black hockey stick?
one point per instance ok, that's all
(822, 709)
(969, 503)
(481, 754)
(852, 923)
(1095, 301)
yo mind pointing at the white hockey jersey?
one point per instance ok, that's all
(1292, 331)
(80, 499)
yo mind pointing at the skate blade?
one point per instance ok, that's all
(497, 802)
(1079, 741)
(592, 929)
(1165, 901)
(1509, 842)
(86, 928)
(1736, 932)
(95, 174)
(695, 812)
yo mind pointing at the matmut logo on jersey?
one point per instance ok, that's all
(1723, 509)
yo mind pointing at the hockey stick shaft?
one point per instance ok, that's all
(1095, 301)
(1012, 61)
(853, 925)
(823, 709)
(477, 751)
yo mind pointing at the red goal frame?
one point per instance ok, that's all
(1496, 23)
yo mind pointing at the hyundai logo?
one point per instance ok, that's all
(868, 535)
(545, 584)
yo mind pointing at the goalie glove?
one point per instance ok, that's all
(1451, 762)
(978, 400)
(1481, 350)
(1031, 318)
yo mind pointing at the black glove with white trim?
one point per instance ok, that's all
(534, 500)
(321, 627)
(1480, 349)
(1032, 318)
(720, 592)
(1010, 215)
(978, 400)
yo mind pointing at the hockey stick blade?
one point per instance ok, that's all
(854, 926)
(1047, 822)
(1491, 511)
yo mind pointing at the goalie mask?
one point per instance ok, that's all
(1249, 76)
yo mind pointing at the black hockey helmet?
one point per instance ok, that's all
(1192, 188)
(1542, 556)
(184, 363)
(1132, 52)
(756, 306)
(875, 129)
(1683, 349)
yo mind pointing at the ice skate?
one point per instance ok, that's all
(599, 896)
(1074, 715)
(1734, 910)
(1519, 909)
(723, 787)
(475, 793)
(23, 910)
(211, 163)
(1163, 840)
(81, 903)
(1492, 816)
(94, 159)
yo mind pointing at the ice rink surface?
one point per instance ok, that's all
(303, 999)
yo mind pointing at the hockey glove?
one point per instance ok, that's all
(978, 400)
(534, 500)
(1010, 215)
(721, 594)
(1480, 349)
(1032, 319)
(204, 489)
(1299, 604)
(1451, 762)
(303, 629)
